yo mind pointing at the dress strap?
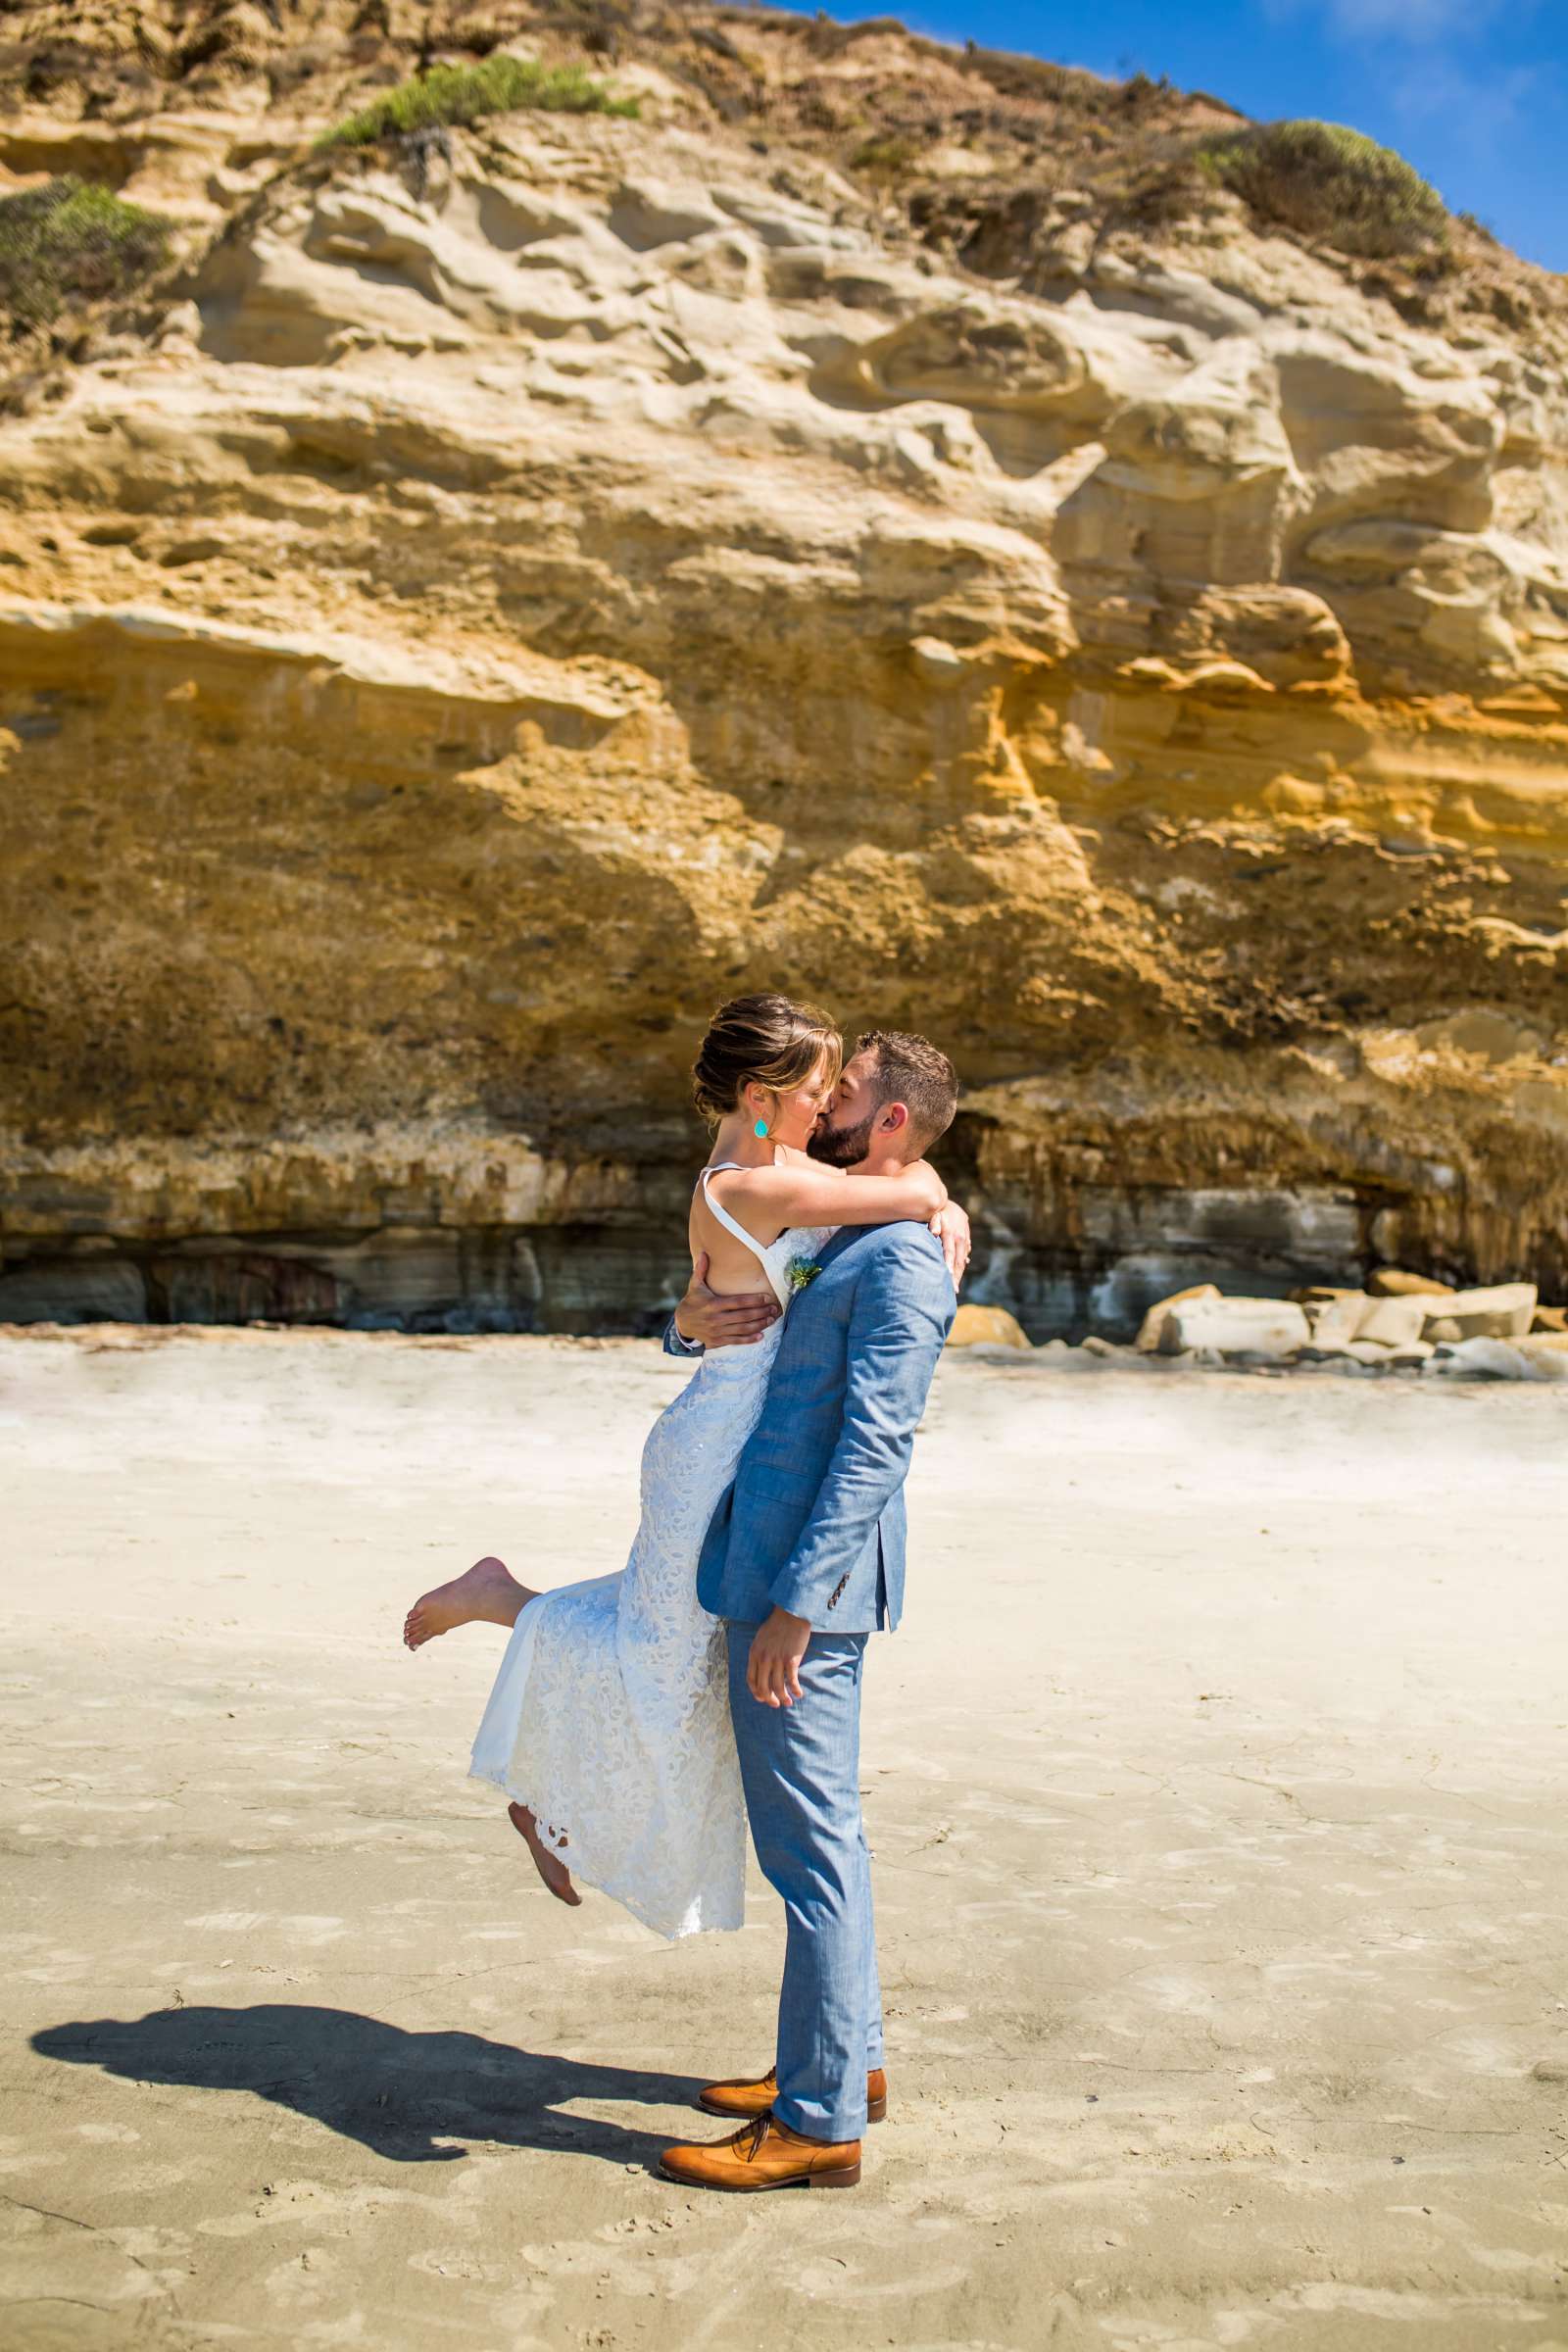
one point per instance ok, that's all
(758, 1249)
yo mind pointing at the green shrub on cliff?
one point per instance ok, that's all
(884, 158)
(1330, 183)
(72, 242)
(499, 85)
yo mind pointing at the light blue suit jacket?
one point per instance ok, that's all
(814, 1521)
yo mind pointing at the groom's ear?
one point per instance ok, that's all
(894, 1118)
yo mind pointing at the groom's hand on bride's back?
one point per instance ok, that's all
(710, 1320)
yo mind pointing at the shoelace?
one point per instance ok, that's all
(751, 2136)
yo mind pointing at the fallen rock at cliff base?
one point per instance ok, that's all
(1500, 1359)
(1392, 1282)
(986, 1327)
(1152, 1331)
(1551, 1319)
(1502, 1312)
(1394, 1322)
(1264, 1327)
(1370, 1354)
(1334, 1322)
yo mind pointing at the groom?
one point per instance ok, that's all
(804, 1558)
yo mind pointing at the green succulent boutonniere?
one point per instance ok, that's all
(801, 1272)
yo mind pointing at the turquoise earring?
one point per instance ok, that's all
(760, 1131)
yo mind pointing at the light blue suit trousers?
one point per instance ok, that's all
(800, 1770)
(814, 1524)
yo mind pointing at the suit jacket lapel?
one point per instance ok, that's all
(841, 1241)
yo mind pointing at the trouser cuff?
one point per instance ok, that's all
(838, 2124)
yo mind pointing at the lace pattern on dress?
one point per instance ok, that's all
(610, 1715)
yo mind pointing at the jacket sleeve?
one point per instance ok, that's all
(675, 1345)
(903, 1306)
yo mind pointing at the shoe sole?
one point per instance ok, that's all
(845, 2176)
(876, 2112)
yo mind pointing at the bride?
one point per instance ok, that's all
(608, 1725)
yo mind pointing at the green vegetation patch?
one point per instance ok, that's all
(499, 85)
(885, 158)
(1333, 184)
(71, 242)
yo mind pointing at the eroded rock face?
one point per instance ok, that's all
(491, 613)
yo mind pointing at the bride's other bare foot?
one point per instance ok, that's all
(546, 1861)
(485, 1594)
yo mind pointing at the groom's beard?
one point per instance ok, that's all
(841, 1147)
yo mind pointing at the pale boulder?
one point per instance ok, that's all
(1502, 1312)
(1372, 1354)
(1337, 1320)
(1237, 1327)
(1392, 1282)
(1394, 1322)
(986, 1327)
(1152, 1330)
(1502, 1359)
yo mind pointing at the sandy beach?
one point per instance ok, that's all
(1216, 1788)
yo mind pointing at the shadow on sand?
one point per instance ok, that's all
(395, 2092)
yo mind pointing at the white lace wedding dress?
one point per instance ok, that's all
(609, 1716)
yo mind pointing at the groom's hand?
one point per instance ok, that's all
(773, 1668)
(724, 1322)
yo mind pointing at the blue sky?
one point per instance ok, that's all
(1473, 91)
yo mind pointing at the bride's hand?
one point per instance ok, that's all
(952, 1227)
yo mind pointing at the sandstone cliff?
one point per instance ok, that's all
(878, 524)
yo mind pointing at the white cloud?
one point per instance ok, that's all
(1476, 113)
(1415, 20)
(1412, 20)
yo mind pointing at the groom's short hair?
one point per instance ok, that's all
(916, 1073)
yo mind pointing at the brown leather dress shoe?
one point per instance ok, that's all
(764, 2154)
(743, 2097)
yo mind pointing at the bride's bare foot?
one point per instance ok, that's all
(546, 1861)
(485, 1594)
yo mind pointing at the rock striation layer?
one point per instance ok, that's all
(501, 592)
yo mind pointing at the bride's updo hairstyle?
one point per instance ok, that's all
(768, 1039)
